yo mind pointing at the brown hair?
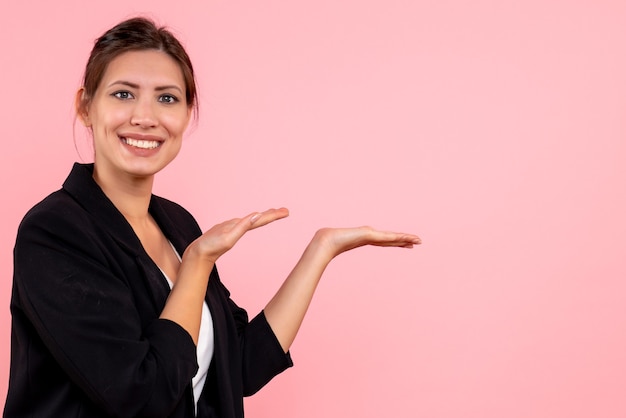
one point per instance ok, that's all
(135, 34)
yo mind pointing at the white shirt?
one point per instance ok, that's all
(204, 348)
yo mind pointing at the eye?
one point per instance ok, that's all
(123, 95)
(168, 98)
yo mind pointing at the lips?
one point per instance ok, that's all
(141, 143)
(147, 142)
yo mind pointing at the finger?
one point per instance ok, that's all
(408, 240)
(263, 218)
(237, 227)
(395, 239)
(395, 244)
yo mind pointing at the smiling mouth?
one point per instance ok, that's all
(140, 143)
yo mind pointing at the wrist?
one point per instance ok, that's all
(323, 244)
(195, 254)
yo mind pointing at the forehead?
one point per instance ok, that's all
(146, 67)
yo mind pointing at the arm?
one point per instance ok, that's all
(283, 315)
(84, 296)
(79, 298)
(184, 304)
(285, 311)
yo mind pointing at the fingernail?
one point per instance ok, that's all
(254, 218)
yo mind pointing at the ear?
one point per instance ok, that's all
(189, 116)
(81, 107)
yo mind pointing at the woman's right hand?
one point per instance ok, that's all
(222, 237)
(184, 304)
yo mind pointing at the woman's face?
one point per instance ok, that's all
(138, 114)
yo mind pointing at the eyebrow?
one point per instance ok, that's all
(136, 86)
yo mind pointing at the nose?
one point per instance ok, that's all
(144, 115)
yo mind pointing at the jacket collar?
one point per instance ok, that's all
(84, 189)
(81, 185)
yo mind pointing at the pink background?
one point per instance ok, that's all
(495, 130)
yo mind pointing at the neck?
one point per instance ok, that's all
(130, 195)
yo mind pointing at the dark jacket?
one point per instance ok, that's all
(86, 337)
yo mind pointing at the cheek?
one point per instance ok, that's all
(108, 120)
(176, 124)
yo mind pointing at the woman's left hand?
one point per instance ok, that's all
(338, 240)
(287, 308)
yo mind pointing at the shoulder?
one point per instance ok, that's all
(58, 220)
(57, 210)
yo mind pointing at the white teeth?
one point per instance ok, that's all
(139, 143)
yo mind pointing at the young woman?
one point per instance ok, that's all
(117, 307)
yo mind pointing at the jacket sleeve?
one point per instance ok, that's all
(85, 314)
(262, 357)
